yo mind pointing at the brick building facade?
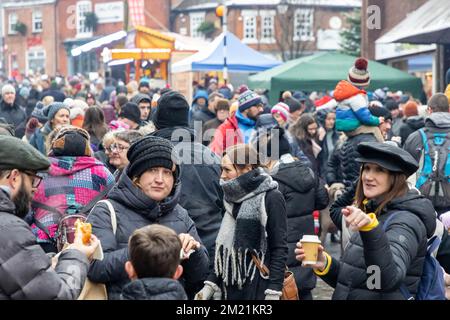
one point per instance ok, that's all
(34, 47)
(390, 16)
(306, 26)
(62, 27)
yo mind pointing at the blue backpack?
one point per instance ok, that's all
(433, 179)
(431, 285)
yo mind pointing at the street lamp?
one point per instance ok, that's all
(282, 6)
(221, 11)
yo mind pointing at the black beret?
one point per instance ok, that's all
(17, 154)
(387, 156)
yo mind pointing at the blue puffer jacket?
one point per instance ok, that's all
(153, 289)
(135, 210)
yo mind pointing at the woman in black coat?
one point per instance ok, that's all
(397, 249)
(147, 192)
(303, 192)
(254, 224)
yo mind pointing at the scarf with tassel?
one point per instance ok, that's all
(244, 234)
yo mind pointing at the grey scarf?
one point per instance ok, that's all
(239, 237)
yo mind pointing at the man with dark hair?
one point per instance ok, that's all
(144, 87)
(241, 126)
(396, 114)
(154, 265)
(27, 272)
(143, 101)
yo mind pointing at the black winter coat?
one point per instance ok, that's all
(203, 115)
(443, 254)
(333, 169)
(153, 289)
(303, 193)
(306, 147)
(201, 194)
(399, 252)
(410, 125)
(26, 272)
(135, 210)
(345, 162)
(325, 154)
(276, 254)
(15, 115)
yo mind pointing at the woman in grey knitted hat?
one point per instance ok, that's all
(58, 114)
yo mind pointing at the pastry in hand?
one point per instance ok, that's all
(85, 229)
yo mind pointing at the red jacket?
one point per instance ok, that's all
(227, 134)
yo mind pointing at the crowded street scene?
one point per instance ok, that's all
(225, 151)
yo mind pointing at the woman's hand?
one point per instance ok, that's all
(188, 243)
(355, 218)
(447, 285)
(322, 133)
(321, 258)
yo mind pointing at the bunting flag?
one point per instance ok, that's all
(136, 12)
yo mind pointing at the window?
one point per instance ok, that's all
(36, 60)
(197, 19)
(12, 21)
(249, 19)
(37, 21)
(83, 7)
(267, 26)
(84, 63)
(304, 19)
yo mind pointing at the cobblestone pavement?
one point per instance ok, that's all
(323, 291)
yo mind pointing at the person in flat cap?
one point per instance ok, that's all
(35, 279)
(148, 191)
(388, 225)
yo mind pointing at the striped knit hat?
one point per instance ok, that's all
(248, 99)
(282, 109)
(358, 75)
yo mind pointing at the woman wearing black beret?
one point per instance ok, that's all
(381, 259)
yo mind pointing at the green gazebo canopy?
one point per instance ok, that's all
(323, 71)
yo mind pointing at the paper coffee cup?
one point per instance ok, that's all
(310, 245)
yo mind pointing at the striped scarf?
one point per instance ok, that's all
(244, 234)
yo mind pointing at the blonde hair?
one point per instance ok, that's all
(147, 129)
(286, 95)
(48, 100)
